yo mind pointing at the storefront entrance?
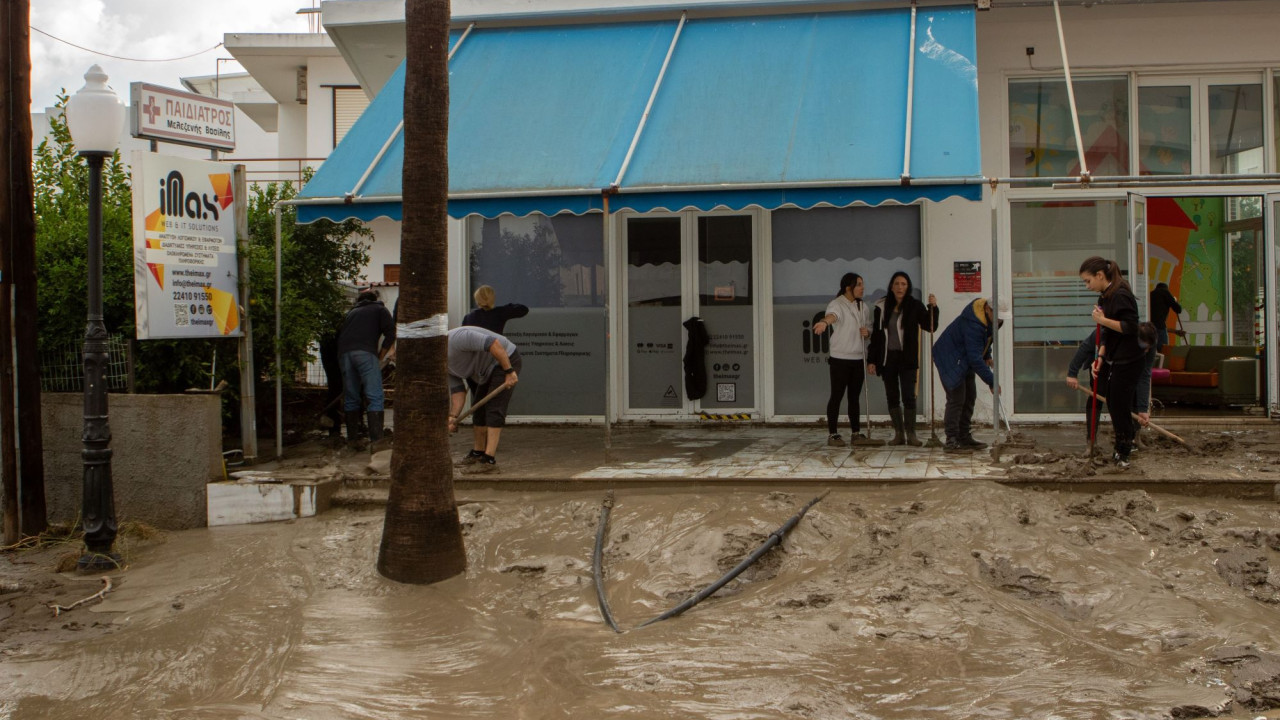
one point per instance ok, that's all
(1208, 253)
(679, 267)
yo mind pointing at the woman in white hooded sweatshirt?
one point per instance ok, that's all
(849, 319)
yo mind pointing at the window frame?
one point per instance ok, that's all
(1199, 84)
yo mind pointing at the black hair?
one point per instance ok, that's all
(890, 301)
(848, 280)
(367, 296)
(1110, 268)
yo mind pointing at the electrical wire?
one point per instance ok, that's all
(118, 57)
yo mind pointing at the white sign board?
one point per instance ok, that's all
(186, 280)
(160, 113)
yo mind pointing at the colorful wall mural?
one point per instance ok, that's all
(1186, 250)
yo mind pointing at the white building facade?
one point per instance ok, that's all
(1173, 90)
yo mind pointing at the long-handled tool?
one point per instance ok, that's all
(866, 404)
(476, 406)
(1093, 408)
(933, 441)
(1098, 398)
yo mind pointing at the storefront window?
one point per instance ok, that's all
(812, 249)
(1235, 129)
(555, 266)
(1049, 241)
(1042, 139)
(1164, 130)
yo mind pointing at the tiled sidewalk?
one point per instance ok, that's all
(777, 454)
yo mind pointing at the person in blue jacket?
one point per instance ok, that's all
(961, 354)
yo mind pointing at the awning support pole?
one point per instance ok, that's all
(461, 40)
(355, 191)
(279, 375)
(911, 93)
(635, 139)
(1071, 93)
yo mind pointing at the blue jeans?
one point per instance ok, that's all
(361, 371)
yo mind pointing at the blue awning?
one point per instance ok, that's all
(804, 109)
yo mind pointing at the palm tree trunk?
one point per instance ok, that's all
(421, 538)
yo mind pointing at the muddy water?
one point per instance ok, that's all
(960, 600)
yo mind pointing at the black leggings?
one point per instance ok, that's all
(846, 375)
(899, 382)
(1118, 382)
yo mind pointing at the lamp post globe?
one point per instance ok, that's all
(95, 118)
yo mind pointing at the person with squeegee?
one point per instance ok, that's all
(963, 354)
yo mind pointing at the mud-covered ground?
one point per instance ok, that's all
(938, 600)
(1061, 452)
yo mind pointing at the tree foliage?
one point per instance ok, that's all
(317, 261)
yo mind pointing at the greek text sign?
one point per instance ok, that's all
(160, 113)
(186, 280)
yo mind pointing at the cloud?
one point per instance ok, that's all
(144, 29)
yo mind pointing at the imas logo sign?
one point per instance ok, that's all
(814, 345)
(175, 202)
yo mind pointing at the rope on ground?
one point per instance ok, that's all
(106, 588)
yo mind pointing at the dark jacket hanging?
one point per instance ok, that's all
(695, 358)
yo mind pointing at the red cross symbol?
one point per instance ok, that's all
(151, 109)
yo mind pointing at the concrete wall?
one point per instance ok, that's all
(167, 448)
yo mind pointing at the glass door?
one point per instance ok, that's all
(1138, 254)
(726, 303)
(655, 299)
(679, 267)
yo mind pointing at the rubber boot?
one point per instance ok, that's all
(376, 441)
(353, 430)
(909, 424)
(895, 415)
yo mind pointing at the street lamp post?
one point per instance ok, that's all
(95, 118)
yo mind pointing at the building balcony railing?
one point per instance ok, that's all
(277, 170)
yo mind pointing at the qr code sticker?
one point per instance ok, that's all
(180, 316)
(726, 392)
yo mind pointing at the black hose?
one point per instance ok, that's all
(774, 538)
(597, 560)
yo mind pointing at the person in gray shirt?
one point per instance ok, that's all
(489, 361)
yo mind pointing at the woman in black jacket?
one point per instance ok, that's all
(1119, 361)
(489, 317)
(894, 354)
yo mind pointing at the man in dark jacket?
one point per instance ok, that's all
(963, 353)
(361, 358)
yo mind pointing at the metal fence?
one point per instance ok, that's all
(62, 369)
